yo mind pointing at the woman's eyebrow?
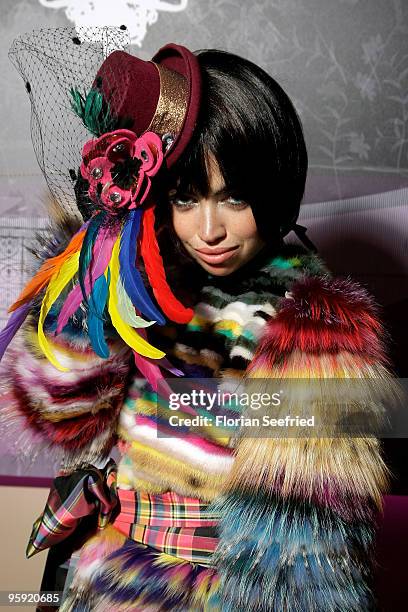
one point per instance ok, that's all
(224, 191)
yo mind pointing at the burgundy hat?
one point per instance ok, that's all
(161, 95)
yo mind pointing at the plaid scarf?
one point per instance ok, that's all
(175, 524)
(171, 523)
(83, 492)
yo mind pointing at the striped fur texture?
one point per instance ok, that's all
(324, 314)
(220, 340)
(228, 322)
(72, 410)
(276, 554)
(298, 515)
(69, 414)
(123, 575)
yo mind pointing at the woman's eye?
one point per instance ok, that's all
(236, 202)
(182, 202)
(188, 201)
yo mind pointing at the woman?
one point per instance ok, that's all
(204, 518)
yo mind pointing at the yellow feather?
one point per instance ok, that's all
(127, 333)
(56, 285)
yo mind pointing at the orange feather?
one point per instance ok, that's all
(48, 268)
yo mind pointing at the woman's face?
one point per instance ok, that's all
(218, 231)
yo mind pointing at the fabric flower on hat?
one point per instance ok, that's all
(118, 167)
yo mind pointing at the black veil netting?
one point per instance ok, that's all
(51, 63)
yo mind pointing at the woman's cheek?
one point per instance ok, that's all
(183, 224)
(242, 224)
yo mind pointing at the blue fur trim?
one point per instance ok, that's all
(279, 555)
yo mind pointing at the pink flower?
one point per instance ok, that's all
(118, 167)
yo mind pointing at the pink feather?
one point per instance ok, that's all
(102, 252)
(151, 371)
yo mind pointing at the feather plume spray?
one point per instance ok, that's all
(22, 305)
(156, 274)
(57, 283)
(151, 371)
(101, 255)
(129, 274)
(127, 310)
(98, 298)
(127, 333)
(48, 269)
(85, 256)
(93, 110)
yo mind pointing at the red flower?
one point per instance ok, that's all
(118, 166)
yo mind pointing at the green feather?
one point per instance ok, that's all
(77, 102)
(93, 110)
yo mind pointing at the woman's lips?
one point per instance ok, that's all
(217, 255)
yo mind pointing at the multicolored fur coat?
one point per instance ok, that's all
(296, 516)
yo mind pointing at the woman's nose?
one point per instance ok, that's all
(211, 225)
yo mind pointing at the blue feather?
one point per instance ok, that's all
(130, 275)
(85, 255)
(95, 317)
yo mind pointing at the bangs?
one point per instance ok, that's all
(249, 126)
(192, 173)
(227, 131)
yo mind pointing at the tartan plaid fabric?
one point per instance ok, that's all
(175, 524)
(81, 493)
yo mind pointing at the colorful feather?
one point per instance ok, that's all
(13, 325)
(48, 269)
(155, 271)
(98, 298)
(127, 310)
(127, 333)
(167, 365)
(129, 274)
(57, 283)
(85, 256)
(93, 110)
(101, 257)
(152, 373)
(149, 370)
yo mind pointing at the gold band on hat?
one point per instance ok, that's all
(172, 104)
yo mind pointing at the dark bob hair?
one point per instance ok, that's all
(248, 123)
